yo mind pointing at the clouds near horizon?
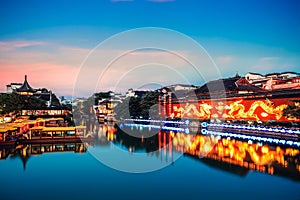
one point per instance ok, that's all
(50, 41)
(56, 66)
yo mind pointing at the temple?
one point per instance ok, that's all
(52, 105)
(25, 89)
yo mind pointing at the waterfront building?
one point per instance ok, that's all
(277, 84)
(235, 98)
(41, 132)
(46, 112)
(6, 132)
(227, 87)
(105, 109)
(274, 81)
(41, 129)
(22, 88)
(52, 106)
(26, 90)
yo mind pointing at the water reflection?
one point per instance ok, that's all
(24, 152)
(227, 154)
(231, 155)
(259, 157)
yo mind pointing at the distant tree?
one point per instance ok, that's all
(83, 109)
(101, 95)
(136, 107)
(122, 109)
(88, 106)
(32, 103)
(10, 103)
(14, 103)
(292, 111)
(148, 102)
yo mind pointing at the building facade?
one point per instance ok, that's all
(233, 98)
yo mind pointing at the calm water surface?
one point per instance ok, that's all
(232, 170)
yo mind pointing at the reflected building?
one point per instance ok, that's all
(277, 160)
(232, 155)
(24, 152)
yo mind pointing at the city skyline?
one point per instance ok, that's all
(49, 41)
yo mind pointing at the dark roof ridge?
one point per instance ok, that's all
(25, 87)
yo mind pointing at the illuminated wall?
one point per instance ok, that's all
(253, 156)
(237, 109)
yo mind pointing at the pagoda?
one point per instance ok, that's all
(26, 89)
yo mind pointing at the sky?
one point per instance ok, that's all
(87, 46)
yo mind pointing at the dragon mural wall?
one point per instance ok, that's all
(239, 109)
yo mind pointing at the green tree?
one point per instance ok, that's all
(32, 103)
(10, 103)
(136, 107)
(148, 102)
(14, 103)
(101, 95)
(292, 111)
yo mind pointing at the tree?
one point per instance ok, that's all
(13, 103)
(10, 103)
(292, 111)
(101, 95)
(32, 103)
(148, 102)
(122, 109)
(136, 107)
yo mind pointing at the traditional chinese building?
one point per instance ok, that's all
(274, 81)
(12, 87)
(25, 89)
(52, 106)
(235, 98)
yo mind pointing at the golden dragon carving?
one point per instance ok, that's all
(267, 106)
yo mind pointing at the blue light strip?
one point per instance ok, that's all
(257, 138)
(156, 121)
(258, 128)
(143, 125)
(158, 127)
(222, 134)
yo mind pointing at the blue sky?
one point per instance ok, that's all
(258, 36)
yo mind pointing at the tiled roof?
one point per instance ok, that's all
(25, 87)
(228, 84)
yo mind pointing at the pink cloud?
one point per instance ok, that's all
(56, 67)
(58, 78)
(10, 45)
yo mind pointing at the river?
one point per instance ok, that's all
(131, 161)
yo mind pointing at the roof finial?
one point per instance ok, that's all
(237, 74)
(25, 77)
